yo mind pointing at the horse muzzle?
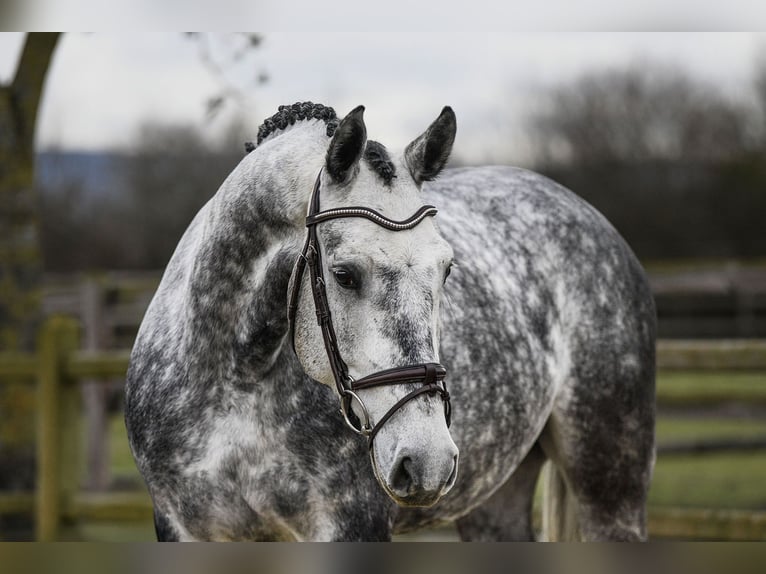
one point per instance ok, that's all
(421, 477)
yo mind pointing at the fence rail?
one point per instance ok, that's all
(100, 365)
(17, 366)
(672, 355)
(707, 355)
(59, 367)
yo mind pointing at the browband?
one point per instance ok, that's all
(374, 216)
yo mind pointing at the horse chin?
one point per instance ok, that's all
(416, 501)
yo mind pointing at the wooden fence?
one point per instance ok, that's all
(57, 369)
(59, 366)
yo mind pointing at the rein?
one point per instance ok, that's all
(429, 375)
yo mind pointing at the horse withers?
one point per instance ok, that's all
(297, 371)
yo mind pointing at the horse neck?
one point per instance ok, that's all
(249, 240)
(272, 185)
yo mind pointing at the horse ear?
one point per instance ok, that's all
(346, 146)
(427, 155)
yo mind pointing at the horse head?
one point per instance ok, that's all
(379, 269)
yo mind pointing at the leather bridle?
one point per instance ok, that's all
(429, 375)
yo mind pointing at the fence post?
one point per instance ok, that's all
(94, 392)
(70, 418)
(58, 339)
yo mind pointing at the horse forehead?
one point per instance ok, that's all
(420, 246)
(397, 201)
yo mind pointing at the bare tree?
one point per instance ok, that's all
(235, 49)
(759, 84)
(173, 172)
(673, 162)
(639, 114)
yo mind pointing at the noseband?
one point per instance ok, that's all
(429, 375)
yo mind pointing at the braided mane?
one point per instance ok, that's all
(288, 115)
(375, 153)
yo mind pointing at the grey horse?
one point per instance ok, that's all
(545, 326)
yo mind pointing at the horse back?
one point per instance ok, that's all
(547, 315)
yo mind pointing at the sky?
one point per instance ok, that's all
(103, 86)
(406, 15)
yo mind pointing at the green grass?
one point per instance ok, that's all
(124, 471)
(703, 428)
(122, 462)
(705, 388)
(726, 480)
(712, 481)
(100, 531)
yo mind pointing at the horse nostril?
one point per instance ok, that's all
(402, 479)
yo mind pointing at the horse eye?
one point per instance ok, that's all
(446, 273)
(345, 279)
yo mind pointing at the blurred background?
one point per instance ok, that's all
(110, 143)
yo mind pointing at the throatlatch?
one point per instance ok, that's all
(430, 375)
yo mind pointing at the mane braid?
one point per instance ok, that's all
(288, 115)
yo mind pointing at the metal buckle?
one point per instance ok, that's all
(345, 406)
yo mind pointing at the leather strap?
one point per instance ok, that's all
(426, 373)
(430, 389)
(374, 216)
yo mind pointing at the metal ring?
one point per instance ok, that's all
(345, 405)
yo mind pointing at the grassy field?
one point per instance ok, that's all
(122, 464)
(731, 480)
(674, 428)
(706, 388)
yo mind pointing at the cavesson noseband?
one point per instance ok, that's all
(429, 375)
